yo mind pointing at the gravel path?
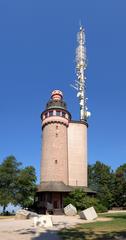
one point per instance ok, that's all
(11, 229)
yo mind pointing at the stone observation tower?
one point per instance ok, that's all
(55, 121)
(64, 142)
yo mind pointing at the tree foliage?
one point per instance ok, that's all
(76, 198)
(9, 170)
(109, 185)
(26, 186)
(17, 184)
(81, 201)
(101, 180)
(120, 186)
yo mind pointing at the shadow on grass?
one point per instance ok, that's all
(110, 230)
(39, 233)
(75, 234)
(48, 235)
(116, 216)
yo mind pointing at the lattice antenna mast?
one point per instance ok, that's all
(80, 83)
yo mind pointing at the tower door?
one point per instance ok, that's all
(56, 199)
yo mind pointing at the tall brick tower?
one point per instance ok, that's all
(55, 121)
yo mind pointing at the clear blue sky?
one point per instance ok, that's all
(37, 55)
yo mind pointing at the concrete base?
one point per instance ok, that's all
(43, 221)
(88, 214)
(70, 210)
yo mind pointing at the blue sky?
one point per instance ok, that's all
(37, 55)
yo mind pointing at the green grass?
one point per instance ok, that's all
(109, 230)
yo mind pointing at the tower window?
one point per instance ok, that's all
(56, 161)
(51, 113)
(57, 113)
(63, 114)
(56, 126)
(46, 115)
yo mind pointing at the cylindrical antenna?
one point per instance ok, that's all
(80, 83)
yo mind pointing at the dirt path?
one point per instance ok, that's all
(11, 229)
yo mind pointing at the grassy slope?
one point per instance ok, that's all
(110, 230)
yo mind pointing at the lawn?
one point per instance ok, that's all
(109, 230)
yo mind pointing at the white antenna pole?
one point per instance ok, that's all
(80, 83)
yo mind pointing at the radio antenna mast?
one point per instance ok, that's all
(80, 83)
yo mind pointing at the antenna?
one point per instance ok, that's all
(80, 83)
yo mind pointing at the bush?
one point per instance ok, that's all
(76, 198)
(92, 201)
(6, 213)
(99, 208)
(81, 201)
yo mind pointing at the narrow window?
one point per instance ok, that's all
(51, 113)
(57, 113)
(63, 114)
(46, 115)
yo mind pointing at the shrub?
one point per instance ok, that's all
(100, 208)
(92, 201)
(81, 201)
(76, 198)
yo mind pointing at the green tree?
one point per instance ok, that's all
(81, 201)
(76, 198)
(120, 186)
(17, 184)
(26, 183)
(9, 170)
(101, 179)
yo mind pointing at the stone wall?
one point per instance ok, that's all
(54, 153)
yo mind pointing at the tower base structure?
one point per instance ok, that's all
(50, 196)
